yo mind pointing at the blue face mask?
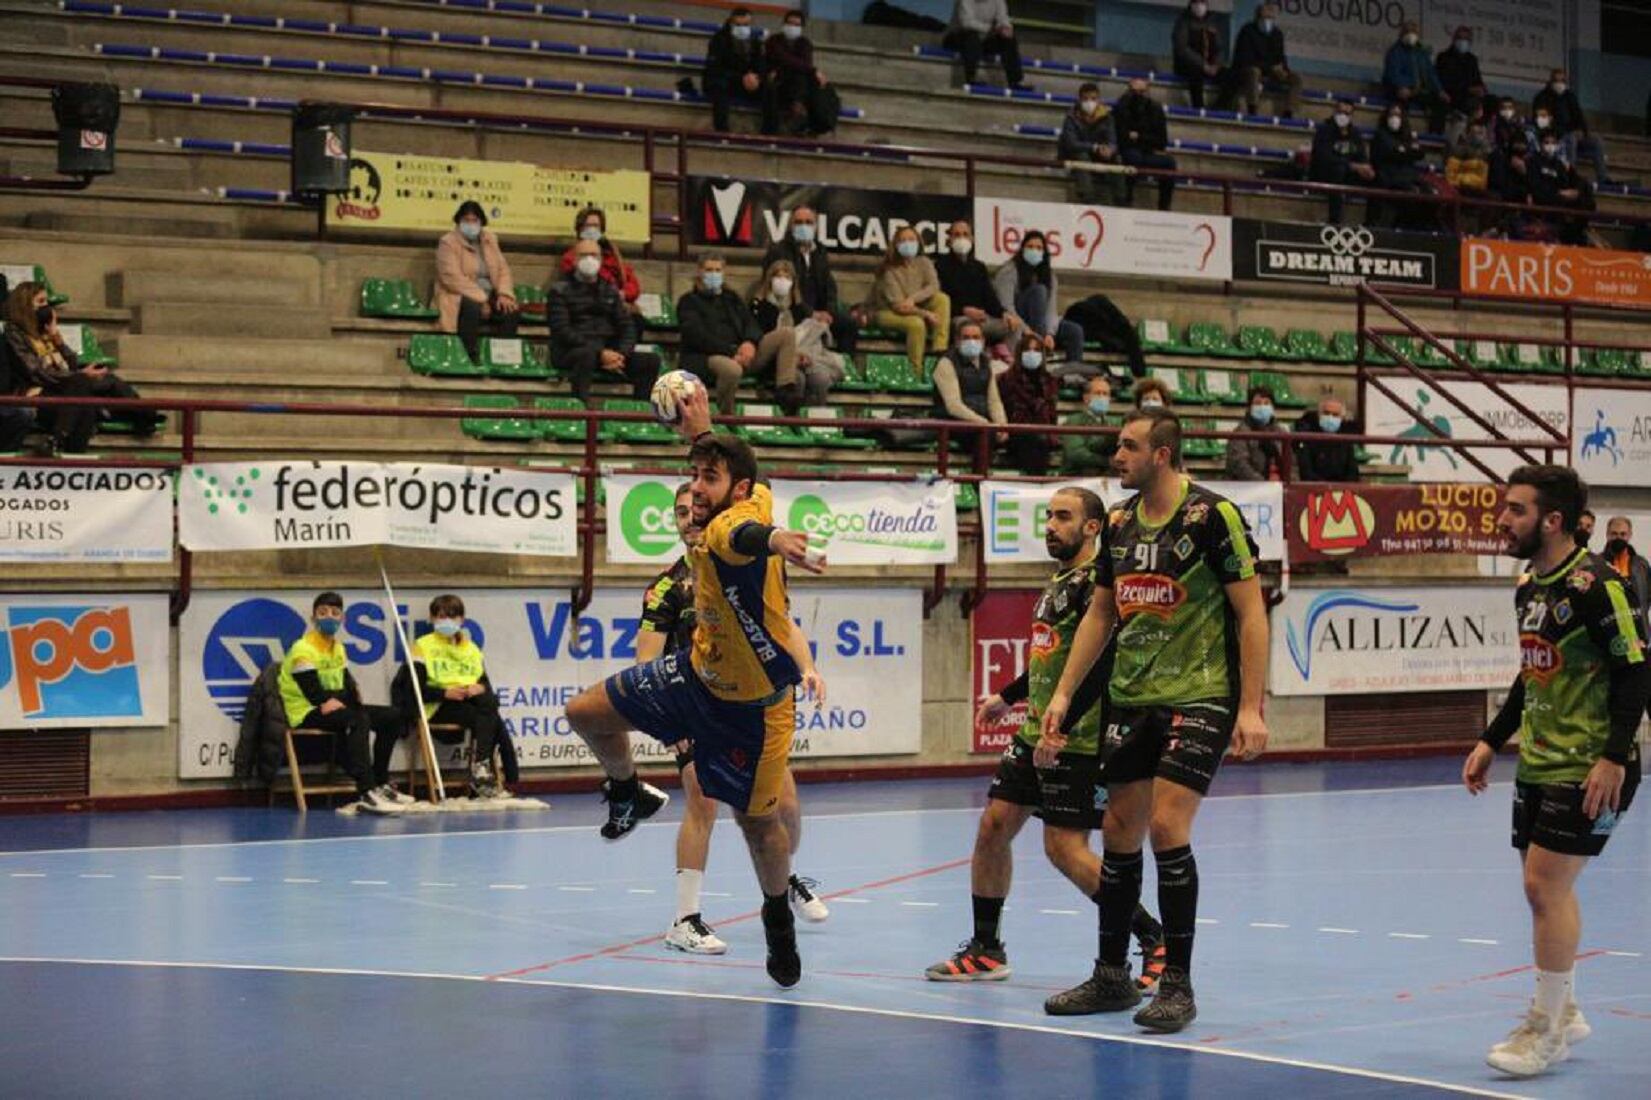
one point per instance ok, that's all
(447, 628)
(1330, 423)
(591, 233)
(470, 230)
(328, 627)
(1261, 414)
(1033, 256)
(1099, 405)
(908, 249)
(970, 349)
(1031, 360)
(803, 234)
(712, 281)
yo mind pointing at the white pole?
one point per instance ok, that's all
(438, 789)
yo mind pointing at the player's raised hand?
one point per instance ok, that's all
(1249, 736)
(1602, 790)
(991, 710)
(695, 409)
(1476, 768)
(1054, 715)
(793, 547)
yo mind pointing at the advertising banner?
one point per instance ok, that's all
(1515, 269)
(404, 192)
(1338, 641)
(641, 521)
(872, 522)
(757, 213)
(1342, 255)
(1000, 630)
(1336, 522)
(867, 642)
(63, 514)
(95, 660)
(1427, 459)
(1116, 240)
(276, 505)
(1612, 444)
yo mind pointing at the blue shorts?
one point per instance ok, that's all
(740, 749)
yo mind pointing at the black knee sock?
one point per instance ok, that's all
(623, 790)
(776, 915)
(1178, 904)
(1117, 900)
(1145, 926)
(988, 915)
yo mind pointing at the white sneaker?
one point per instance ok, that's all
(400, 798)
(804, 903)
(1530, 1048)
(1574, 1024)
(372, 802)
(692, 935)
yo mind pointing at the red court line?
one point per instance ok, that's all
(585, 956)
(1496, 976)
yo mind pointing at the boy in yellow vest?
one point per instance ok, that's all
(318, 692)
(452, 679)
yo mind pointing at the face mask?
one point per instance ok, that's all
(1394, 124)
(1152, 402)
(1412, 39)
(742, 31)
(588, 266)
(1463, 45)
(793, 31)
(328, 627)
(970, 349)
(1099, 405)
(711, 281)
(1031, 360)
(1090, 106)
(962, 246)
(1266, 26)
(1580, 537)
(1330, 423)
(1342, 119)
(591, 233)
(1033, 256)
(1138, 91)
(43, 316)
(1542, 122)
(1615, 547)
(1261, 414)
(1550, 150)
(803, 234)
(1559, 88)
(907, 249)
(470, 230)
(1200, 10)
(781, 286)
(447, 627)
(1506, 115)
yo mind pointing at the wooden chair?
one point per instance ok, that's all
(445, 734)
(330, 784)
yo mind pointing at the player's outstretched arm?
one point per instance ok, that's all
(1250, 730)
(793, 547)
(1087, 642)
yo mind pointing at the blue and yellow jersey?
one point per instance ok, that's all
(740, 610)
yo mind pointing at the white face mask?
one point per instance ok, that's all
(1342, 119)
(1507, 116)
(1550, 150)
(470, 230)
(1559, 87)
(1542, 122)
(962, 246)
(1031, 360)
(1412, 39)
(588, 266)
(1089, 106)
(970, 349)
(1152, 403)
(1394, 122)
(741, 31)
(591, 233)
(1266, 26)
(793, 31)
(447, 628)
(781, 287)
(907, 249)
(1200, 10)
(1463, 45)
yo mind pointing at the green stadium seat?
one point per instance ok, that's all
(82, 340)
(1535, 358)
(1221, 386)
(561, 431)
(1203, 448)
(968, 497)
(514, 358)
(532, 300)
(1403, 345)
(876, 332)
(393, 298)
(1602, 362)
(32, 273)
(1184, 384)
(854, 377)
(116, 424)
(440, 355)
(1261, 342)
(1305, 343)
(666, 361)
(1344, 348)
(658, 311)
(1429, 356)
(635, 431)
(1159, 335)
(1635, 363)
(1209, 338)
(1363, 456)
(498, 427)
(891, 373)
(1283, 396)
(824, 433)
(768, 435)
(1482, 354)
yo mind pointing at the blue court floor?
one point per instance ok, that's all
(1362, 934)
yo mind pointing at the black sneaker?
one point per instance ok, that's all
(625, 816)
(974, 962)
(1172, 1006)
(1108, 989)
(785, 966)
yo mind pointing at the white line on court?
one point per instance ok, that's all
(1409, 936)
(28, 874)
(233, 878)
(714, 894)
(300, 881)
(166, 878)
(1206, 920)
(1487, 943)
(578, 889)
(438, 884)
(508, 886)
(369, 882)
(1043, 1029)
(1059, 912)
(1341, 931)
(851, 901)
(95, 874)
(1267, 924)
(640, 890)
(921, 904)
(1625, 954)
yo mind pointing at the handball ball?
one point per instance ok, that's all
(668, 392)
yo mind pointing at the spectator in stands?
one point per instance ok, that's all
(815, 281)
(1258, 58)
(1409, 78)
(1555, 182)
(591, 330)
(1459, 77)
(1629, 564)
(1584, 533)
(1143, 135)
(981, 28)
(1327, 461)
(1564, 110)
(736, 68)
(1030, 395)
(1199, 48)
(1510, 183)
(1340, 155)
(968, 285)
(318, 693)
(719, 334)
(591, 224)
(802, 102)
(1467, 166)
(1396, 155)
(1028, 285)
(1088, 136)
(473, 281)
(781, 314)
(1258, 459)
(906, 297)
(965, 386)
(1151, 393)
(451, 675)
(1507, 124)
(42, 361)
(1090, 455)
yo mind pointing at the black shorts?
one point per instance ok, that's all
(1550, 816)
(1182, 744)
(1067, 796)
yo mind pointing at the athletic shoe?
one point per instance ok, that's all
(627, 815)
(1108, 989)
(1153, 960)
(372, 802)
(1530, 1048)
(785, 966)
(389, 790)
(692, 935)
(1574, 1024)
(804, 903)
(974, 962)
(1172, 1006)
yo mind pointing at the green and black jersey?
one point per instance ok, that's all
(668, 607)
(1055, 619)
(1177, 636)
(1576, 624)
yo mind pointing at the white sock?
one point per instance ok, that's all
(1553, 989)
(688, 882)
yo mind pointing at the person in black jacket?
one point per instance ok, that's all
(1397, 157)
(1143, 135)
(816, 285)
(802, 101)
(1555, 182)
(1088, 135)
(591, 329)
(736, 67)
(16, 421)
(1258, 57)
(965, 280)
(1459, 75)
(719, 334)
(1199, 48)
(1559, 99)
(1339, 155)
(1326, 461)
